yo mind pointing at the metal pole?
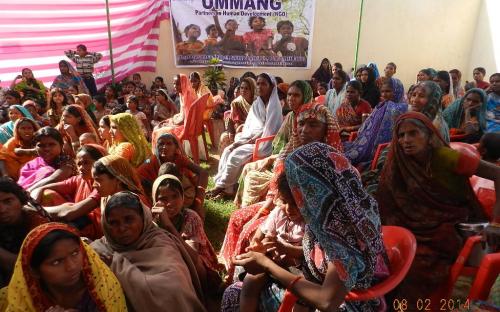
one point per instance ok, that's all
(110, 44)
(359, 34)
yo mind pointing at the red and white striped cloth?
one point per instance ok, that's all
(36, 33)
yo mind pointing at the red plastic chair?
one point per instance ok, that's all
(459, 267)
(193, 127)
(258, 142)
(465, 148)
(486, 275)
(400, 245)
(485, 192)
(380, 149)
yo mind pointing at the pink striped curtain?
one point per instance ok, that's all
(36, 33)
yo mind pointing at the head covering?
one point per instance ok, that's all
(89, 124)
(341, 217)
(431, 72)
(179, 151)
(428, 199)
(123, 171)
(305, 88)
(398, 89)
(433, 108)
(35, 125)
(263, 119)
(283, 87)
(321, 74)
(84, 98)
(455, 113)
(26, 294)
(374, 67)
(160, 180)
(7, 129)
(127, 124)
(156, 254)
(187, 95)
(317, 112)
(165, 94)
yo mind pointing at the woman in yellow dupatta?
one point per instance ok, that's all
(128, 139)
(55, 269)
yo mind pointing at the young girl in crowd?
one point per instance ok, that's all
(259, 41)
(153, 266)
(140, 117)
(15, 112)
(18, 150)
(56, 271)
(168, 199)
(164, 108)
(19, 214)
(104, 131)
(68, 200)
(168, 150)
(51, 165)
(100, 107)
(280, 237)
(58, 99)
(74, 122)
(128, 140)
(351, 111)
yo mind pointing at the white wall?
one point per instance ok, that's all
(485, 46)
(414, 34)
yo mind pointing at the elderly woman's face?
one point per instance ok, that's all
(294, 98)
(125, 225)
(418, 99)
(412, 139)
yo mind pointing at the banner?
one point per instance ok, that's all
(36, 33)
(243, 33)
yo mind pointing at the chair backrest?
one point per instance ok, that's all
(379, 150)
(400, 245)
(485, 192)
(465, 148)
(193, 123)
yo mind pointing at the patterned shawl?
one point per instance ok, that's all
(342, 219)
(377, 129)
(26, 294)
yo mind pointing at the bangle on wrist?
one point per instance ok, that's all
(292, 283)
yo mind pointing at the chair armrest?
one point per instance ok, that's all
(258, 142)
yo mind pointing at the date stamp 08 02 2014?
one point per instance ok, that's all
(426, 304)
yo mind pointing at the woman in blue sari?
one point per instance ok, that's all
(377, 128)
(69, 77)
(7, 129)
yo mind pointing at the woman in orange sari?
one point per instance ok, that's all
(187, 96)
(18, 150)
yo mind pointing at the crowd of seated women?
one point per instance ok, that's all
(103, 209)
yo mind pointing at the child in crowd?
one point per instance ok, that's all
(85, 61)
(158, 83)
(258, 41)
(136, 78)
(478, 74)
(144, 103)
(280, 238)
(188, 186)
(489, 147)
(142, 120)
(88, 138)
(168, 198)
(100, 107)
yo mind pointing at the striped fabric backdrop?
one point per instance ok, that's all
(36, 33)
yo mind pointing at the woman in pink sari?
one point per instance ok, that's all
(52, 165)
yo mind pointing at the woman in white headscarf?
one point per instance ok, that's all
(263, 120)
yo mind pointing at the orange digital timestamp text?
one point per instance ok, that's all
(426, 304)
